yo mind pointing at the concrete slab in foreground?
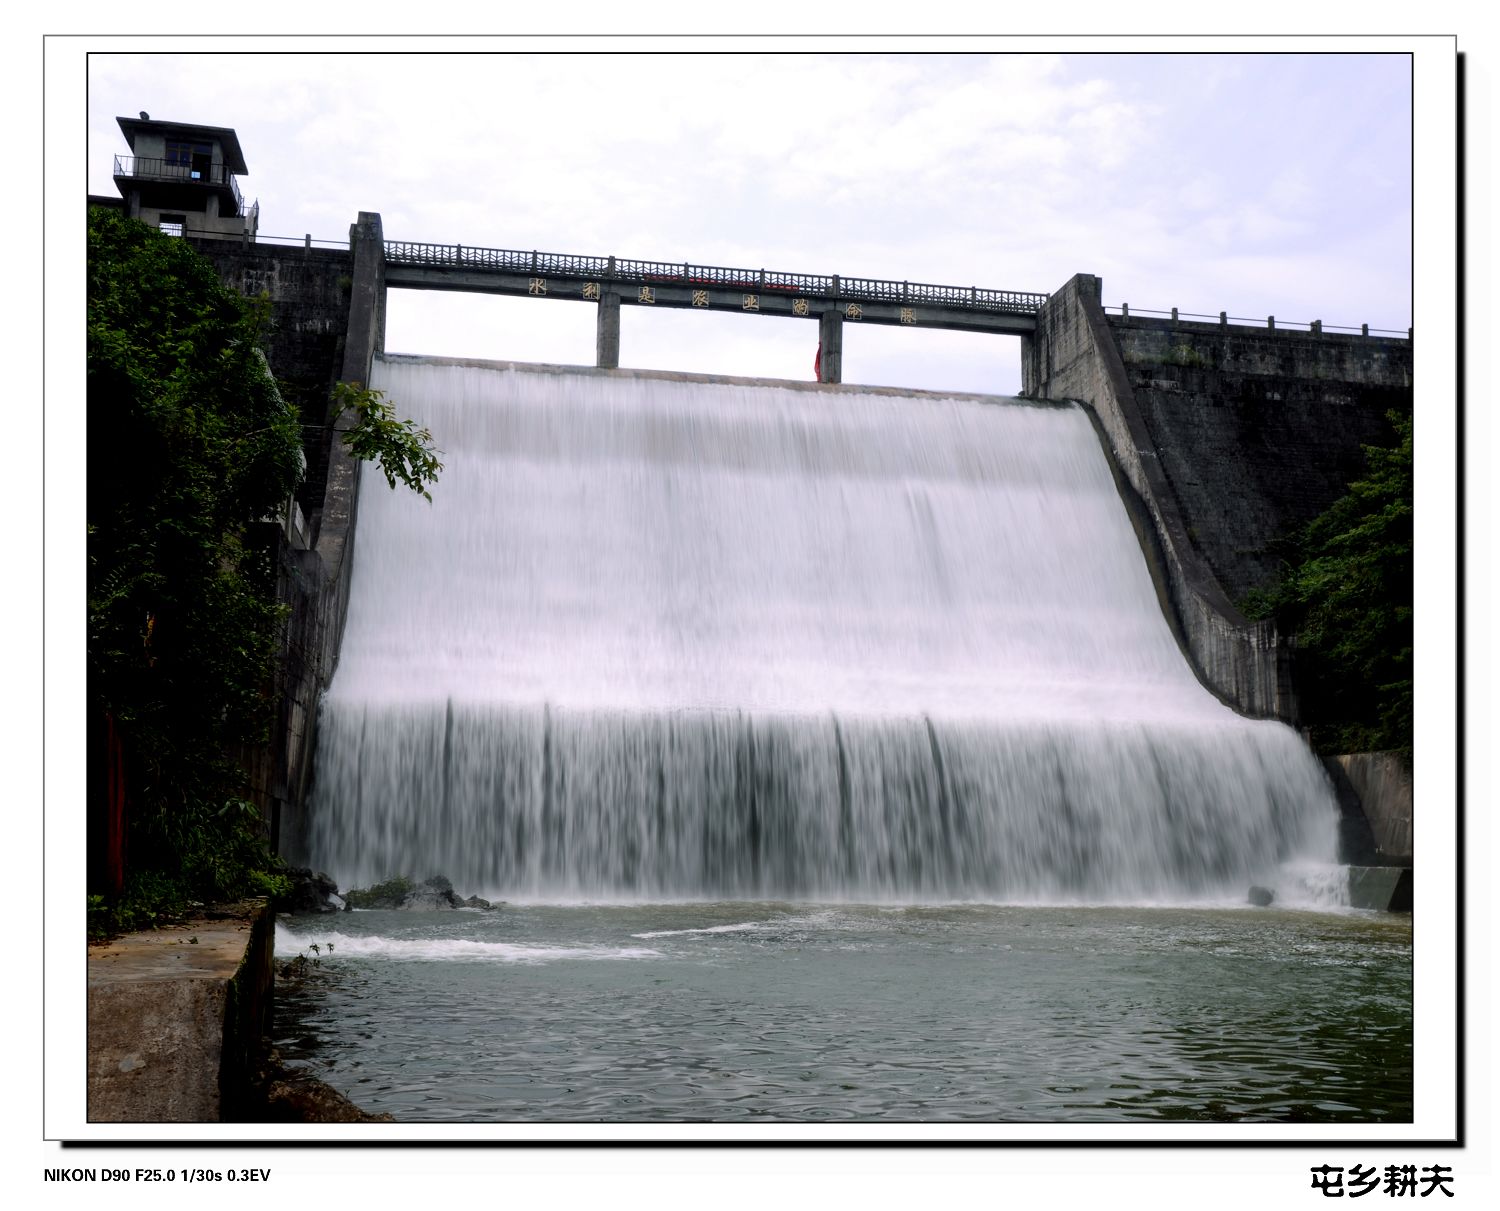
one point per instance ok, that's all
(176, 1016)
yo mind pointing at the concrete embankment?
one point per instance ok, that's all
(176, 1018)
(177, 1025)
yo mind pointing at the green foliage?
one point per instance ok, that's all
(1347, 595)
(189, 444)
(402, 450)
(99, 918)
(272, 885)
(381, 895)
(150, 898)
(1184, 354)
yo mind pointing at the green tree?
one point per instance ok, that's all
(1347, 595)
(189, 442)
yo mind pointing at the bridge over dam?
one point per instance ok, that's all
(1224, 436)
(610, 283)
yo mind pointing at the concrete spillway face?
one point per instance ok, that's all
(657, 638)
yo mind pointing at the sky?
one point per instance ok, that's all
(1255, 184)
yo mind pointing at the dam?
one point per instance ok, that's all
(664, 638)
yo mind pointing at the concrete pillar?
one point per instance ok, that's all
(364, 338)
(366, 335)
(831, 347)
(607, 331)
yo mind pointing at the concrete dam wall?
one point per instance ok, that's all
(1259, 430)
(1230, 439)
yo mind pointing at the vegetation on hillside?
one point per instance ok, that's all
(190, 445)
(1347, 596)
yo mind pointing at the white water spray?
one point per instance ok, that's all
(658, 638)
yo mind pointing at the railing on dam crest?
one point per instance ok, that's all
(681, 273)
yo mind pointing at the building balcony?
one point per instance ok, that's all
(171, 183)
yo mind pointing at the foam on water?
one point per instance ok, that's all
(334, 945)
(742, 927)
(664, 639)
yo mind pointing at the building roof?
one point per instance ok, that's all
(234, 159)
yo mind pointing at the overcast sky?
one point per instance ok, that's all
(1257, 184)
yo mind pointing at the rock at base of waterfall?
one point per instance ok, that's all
(311, 891)
(407, 895)
(1262, 897)
(435, 894)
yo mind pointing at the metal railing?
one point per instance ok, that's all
(300, 241)
(151, 168)
(1125, 311)
(683, 273)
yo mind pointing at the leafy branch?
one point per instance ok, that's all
(400, 448)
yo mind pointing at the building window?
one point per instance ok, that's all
(173, 224)
(197, 158)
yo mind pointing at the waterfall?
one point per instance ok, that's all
(658, 638)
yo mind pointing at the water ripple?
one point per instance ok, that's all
(864, 1015)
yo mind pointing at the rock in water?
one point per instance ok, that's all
(401, 893)
(312, 891)
(1261, 897)
(436, 893)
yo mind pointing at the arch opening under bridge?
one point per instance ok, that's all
(494, 327)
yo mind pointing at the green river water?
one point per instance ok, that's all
(736, 1012)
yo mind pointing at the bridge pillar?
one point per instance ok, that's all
(607, 338)
(366, 335)
(831, 347)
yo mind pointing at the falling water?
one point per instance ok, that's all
(665, 639)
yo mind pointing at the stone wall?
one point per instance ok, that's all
(309, 292)
(1258, 430)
